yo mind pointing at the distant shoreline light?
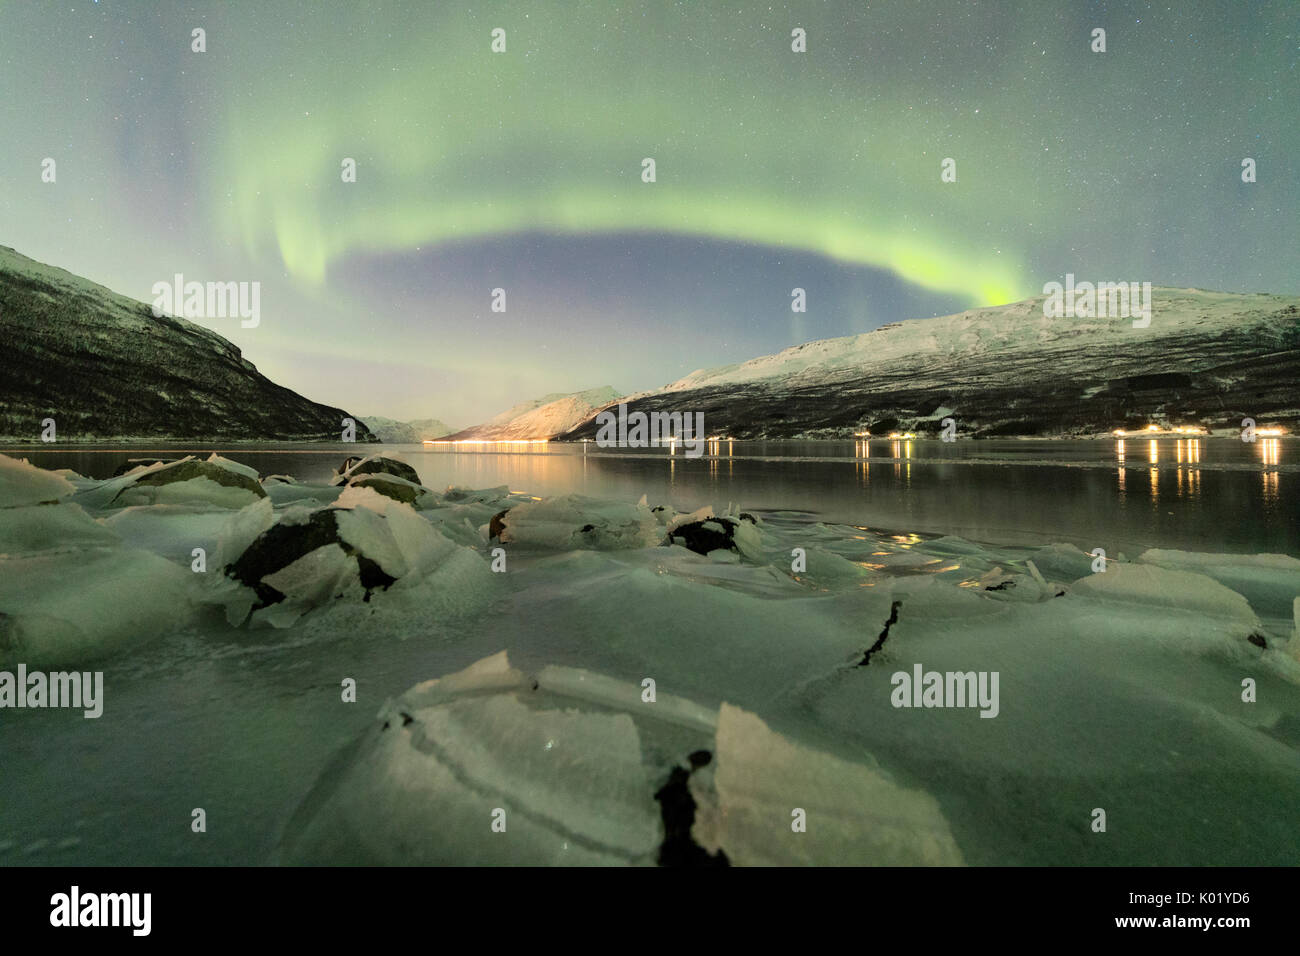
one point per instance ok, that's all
(1185, 430)
(487, 441)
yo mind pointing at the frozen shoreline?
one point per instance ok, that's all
(1119, 690)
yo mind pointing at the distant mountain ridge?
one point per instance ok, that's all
(1207, 357)
(406, 433)
(543, 417)
(103, 366)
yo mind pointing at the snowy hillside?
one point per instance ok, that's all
(406, 433)
(1206, 356)
(545, 417)
(595, 397)
(103, 366)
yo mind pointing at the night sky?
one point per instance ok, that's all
(522, 170)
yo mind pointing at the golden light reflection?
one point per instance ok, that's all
(1153, 451)
(1157, 430)
(1270, 451)
(488, 441)
(1188, 450)
(1270, 486)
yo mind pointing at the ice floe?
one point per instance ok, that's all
(566, 766)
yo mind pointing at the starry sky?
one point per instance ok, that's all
(522, 170)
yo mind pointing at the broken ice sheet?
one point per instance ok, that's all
(574, 759)
(855, 815)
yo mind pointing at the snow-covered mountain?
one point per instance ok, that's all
(543, 417)
(405, 433)
(1206, 357)
(103, 366)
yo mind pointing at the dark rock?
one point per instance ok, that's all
(353, 468)
(187, 470)
(707, 535)
(282, 544)
(497, 524)
(386, 486)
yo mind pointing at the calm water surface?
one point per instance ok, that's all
(1208, 494)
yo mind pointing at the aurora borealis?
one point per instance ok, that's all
(522, 170)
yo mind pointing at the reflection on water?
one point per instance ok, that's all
(1270, 450)
(1187, 458)
(1206, 494)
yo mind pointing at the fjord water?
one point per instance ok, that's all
(1207, 494)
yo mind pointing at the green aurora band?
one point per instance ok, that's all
(752, 142)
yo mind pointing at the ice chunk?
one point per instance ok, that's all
(576, 761)
(576, 522)
(282, 494)
(376, 465)
(455, 493)
(854, 814)
(1270, 582)
(172, 531)
(565, 779)
(1158, 587)
(361, 551)
(826, 569)
(57, 527)
(188, 481)
(1063, 562)
(135, 465)
(241, 529)
(239, 468)
(1293, 648)
(22, 483)
(77, 606)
